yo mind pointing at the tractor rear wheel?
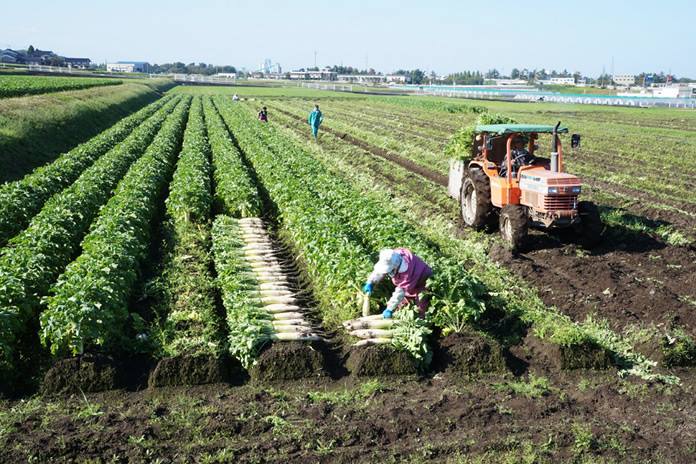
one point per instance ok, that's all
(589, 230)
(514, 225)
(475, 199)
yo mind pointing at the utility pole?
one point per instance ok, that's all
(315, 58)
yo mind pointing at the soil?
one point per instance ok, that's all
(584, 356)
(290, 361)
(195, 370)
(380, 360)
(95, 372)
(467, 353)
(495, 418)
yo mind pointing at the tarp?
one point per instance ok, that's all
(501, 129)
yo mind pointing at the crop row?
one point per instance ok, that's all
(36, 257)
(235, 192)
(88, 306)
(337, 230)
(186, 317)
(16, 86)
(22, 199)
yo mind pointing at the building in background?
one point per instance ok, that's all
(624, 80)
(128, 66)
(81, 63)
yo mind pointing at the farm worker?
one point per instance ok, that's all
(520, 156)
(409, 274)
(235, 97)
(263, 114)
(315, 119)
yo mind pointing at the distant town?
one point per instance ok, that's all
(656, 84)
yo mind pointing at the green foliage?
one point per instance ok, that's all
(411, 334)
(17, 86)
(234, 190)
(248, 324)
(187, 304)
(461, 145)
(89, 303)
(22, 199)
(679, 349)
(534, 387)
(37, 256)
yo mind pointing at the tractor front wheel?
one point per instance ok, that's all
(589, 230)
(514, 225)
(475, 199)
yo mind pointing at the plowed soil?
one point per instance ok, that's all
(572, 418)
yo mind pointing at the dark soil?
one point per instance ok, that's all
(95, 372)
(195, 370)
(289, 361)
(580, 356)
(493, 418)
(467, 353)
(380, 360)
(627, 280)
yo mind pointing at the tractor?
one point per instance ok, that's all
(505, 182)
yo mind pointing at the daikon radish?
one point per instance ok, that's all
(374, 324)
(281, 308)
(298, 322)
(373, 341)
(287, 315)
(295, 337)
(275, 292)
(269, 300)
(292, 328)
(372, 333)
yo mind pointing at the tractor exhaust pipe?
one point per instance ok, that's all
(554, 148)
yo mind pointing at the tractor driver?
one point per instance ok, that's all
(520, 155)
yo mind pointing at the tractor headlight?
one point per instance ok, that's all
(553, 189)
(575, 189)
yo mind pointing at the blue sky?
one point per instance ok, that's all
(435, 35)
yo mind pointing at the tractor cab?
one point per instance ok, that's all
(507, 179)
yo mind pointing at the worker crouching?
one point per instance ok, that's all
(409, 274)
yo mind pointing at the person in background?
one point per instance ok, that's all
(315, 119)
(263, 114)
(409, 274)
(235, 97)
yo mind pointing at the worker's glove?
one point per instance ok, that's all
(387, 313)
(367, 288)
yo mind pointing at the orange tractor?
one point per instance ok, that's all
(504, 180)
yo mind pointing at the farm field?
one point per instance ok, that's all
(17, 86)
(176, 288)
(30, 138)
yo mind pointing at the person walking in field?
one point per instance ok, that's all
(235, 97)
(410, 275)
(263, 114)
(315, 119)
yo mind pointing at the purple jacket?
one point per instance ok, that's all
(413, 280)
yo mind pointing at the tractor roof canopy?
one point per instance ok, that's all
(503, 129)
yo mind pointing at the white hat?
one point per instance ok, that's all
(389, 261)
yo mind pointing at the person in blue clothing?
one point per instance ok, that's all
(315, 119)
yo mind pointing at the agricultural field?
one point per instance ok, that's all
(184, 286)
(18, 86)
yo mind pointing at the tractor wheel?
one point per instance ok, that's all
(589, 231)
(475, 199)
(514, 225)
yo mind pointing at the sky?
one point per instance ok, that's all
(435, 35)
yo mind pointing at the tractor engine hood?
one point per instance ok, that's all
(547, 182)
